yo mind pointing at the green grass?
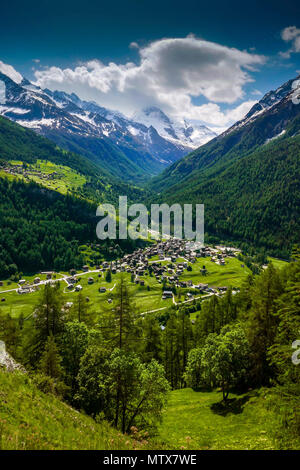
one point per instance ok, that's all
(31, 420)
(197, 420)
(66, 179)
(230, 275)
(278, 263)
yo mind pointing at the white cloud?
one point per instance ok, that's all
(170, 73)
(134, 45)
(256, 92)
(291, 34)
(10, 72)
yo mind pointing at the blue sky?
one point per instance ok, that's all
(66, 35)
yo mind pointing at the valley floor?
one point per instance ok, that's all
(232, 274)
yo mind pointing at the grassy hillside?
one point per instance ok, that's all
(56, 177)
(31, 420)
(197, 420)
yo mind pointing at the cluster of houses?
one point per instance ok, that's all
(179, 254)
(165, 260)
(27, 172)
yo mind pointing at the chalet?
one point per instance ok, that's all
(78, 288)
(102, 290)
(24, 290)
(202, 286)
(85, 268)
(167, 294)
(90, 280)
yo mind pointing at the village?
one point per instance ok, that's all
(167, 263)
(26, 171)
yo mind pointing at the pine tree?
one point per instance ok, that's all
(50, 363)
(152, 339)
(263, 321)
(108, 275)
(119, 324)
(82, 312)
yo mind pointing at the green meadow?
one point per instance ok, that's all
(63, 179)
(199, 420)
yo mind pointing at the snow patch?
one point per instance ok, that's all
(275, 136)
(36, 124)
(184, 133)
(133, 130)
(11, 109)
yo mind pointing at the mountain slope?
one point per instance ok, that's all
(255, 200)
(32, 420)
(31, 107)
(267, 120)
(248, 178)
(21, 144)
(40, 228)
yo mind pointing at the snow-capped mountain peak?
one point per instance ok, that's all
(184, 132)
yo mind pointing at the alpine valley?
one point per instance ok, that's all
(124, 344)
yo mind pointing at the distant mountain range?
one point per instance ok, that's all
(131, 149)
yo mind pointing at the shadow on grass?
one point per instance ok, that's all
(232, 405)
